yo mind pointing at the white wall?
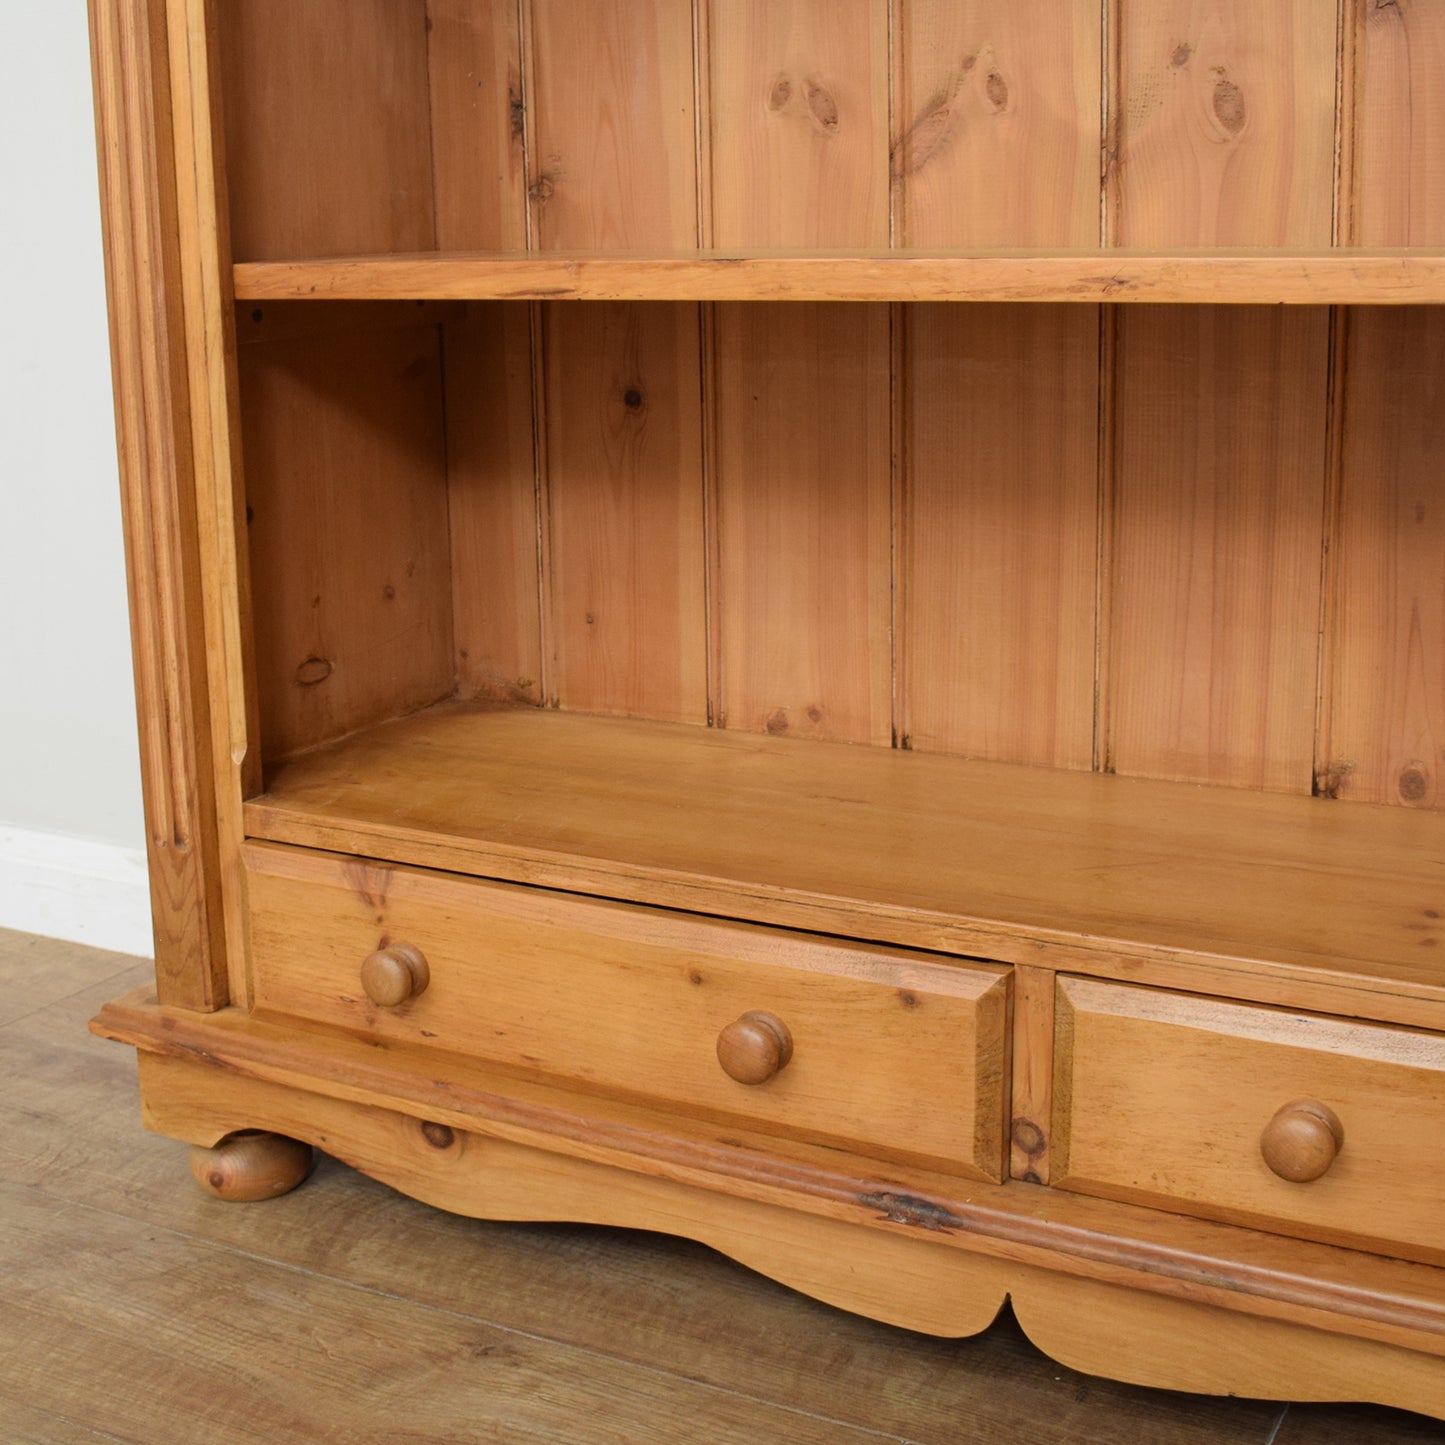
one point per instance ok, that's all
(70, 809)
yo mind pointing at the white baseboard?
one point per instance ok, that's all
(76, 889)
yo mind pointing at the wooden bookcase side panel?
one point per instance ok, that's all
(168, 576)
(347, 501)
(204, 235)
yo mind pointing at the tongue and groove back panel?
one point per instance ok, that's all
(1194, 543)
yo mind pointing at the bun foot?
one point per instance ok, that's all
(251, 1165)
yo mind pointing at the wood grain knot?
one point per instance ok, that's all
(929, 134)
(780, 94)
(996, 88)
(821, 105)
(1229, 108)
(1029, 1138)
(1414, 785)
(1182, 55)
(632, 399)
(439, 1136)
(313, 671)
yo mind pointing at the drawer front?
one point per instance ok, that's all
(1319, 1127)
(900, 1054)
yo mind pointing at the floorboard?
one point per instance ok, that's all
(21, 1425)
(133, 1306)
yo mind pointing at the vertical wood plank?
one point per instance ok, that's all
(1033, 1074)
(1226, 123)
(1331, 595)
(799, 123)
(1400, 123)
(702, 116)
(998, 125)
(328, 127)
(1220, 470)
(798, 131)
(205, 257)
(625, 489)
(475, 66)
(1001, 462)
(1104, 531)
(803, 491)
(614, 159)
(1387, 735)
(346, 480)
(1346, 123)
(492, 499)
(900, 516)
(145, 288)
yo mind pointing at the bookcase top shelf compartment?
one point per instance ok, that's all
(1389, 277)
(848, 150)
(1016, 863)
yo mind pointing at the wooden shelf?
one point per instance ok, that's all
(1235, 277)
(1096, 874)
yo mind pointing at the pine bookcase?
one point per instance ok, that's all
(818, 625)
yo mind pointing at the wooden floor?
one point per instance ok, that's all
(133, 1307)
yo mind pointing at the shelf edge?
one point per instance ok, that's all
(1299, 278)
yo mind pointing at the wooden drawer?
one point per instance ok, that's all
(1173, 1100)
(899, 1054)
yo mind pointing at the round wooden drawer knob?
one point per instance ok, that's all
(1301, 1141)
(392, 975)
(754, 1048)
